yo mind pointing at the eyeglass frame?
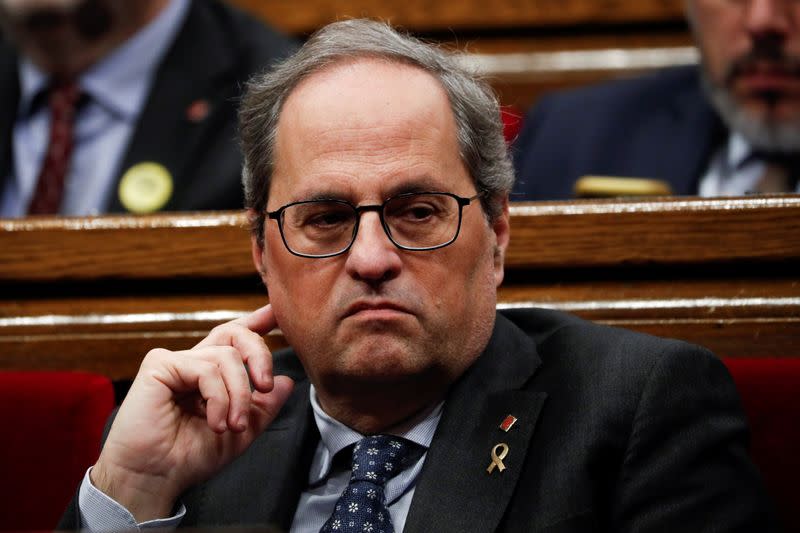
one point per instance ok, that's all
(360, 209)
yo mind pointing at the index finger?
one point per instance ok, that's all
(260, 321)
(246, 335)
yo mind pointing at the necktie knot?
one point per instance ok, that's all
(63, 97)
(378, 458)
(362, 505)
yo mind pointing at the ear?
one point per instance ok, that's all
(502, 234)
(257, 253)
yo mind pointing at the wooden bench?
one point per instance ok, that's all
(525, 48)
(461, 15)
(97, 293)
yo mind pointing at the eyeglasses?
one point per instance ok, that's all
(412, 221)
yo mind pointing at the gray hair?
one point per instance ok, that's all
(475, 107)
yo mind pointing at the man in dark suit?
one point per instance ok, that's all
(377, 179)
(155, 121)
(726, 127)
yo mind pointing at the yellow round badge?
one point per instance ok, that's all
(145, 188)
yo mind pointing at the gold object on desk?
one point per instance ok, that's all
(612, 186)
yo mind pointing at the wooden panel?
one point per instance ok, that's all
(522, 70)
(666, 232)
(622, 37)
(427, 15)
(586, 233)
(124, 247)
(98, 293)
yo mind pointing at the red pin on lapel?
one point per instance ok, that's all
(198, 110)
(508, 422)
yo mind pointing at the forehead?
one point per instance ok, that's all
(365, 126)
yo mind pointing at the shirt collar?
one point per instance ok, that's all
(739, 151)
(32, 82)
(336, 436)
(121, 80)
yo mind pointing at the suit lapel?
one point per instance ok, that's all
(702, 133)
(676, 137)
(454, 477)
(693, 129)
(9, 95)
(194, 74)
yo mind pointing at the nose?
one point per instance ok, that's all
(373, 258)
(768, 18)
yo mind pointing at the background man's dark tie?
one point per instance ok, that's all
(780, 174)
(63, 99)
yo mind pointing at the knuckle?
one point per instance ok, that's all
(229, 352)
(207, 369)
(155, 355)
(218, 329)
(225, 330)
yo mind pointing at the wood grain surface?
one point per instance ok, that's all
(98, 293)
(555, 44)
(427, 15)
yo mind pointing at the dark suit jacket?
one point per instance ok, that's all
(214, 53)
(616, 431)
(659, 126)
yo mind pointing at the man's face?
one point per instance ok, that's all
(751, 58)
(64, 37)
(377, 316)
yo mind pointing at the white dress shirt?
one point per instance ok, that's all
(732, 171)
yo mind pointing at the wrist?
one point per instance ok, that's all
(145, 496)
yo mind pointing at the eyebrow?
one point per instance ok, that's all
(414, 185)
(418, 184)
(323, 196)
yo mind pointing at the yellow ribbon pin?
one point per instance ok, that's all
(497, 460)
(145, 188)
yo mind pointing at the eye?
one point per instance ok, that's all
(417, 212)
(319, 216)
(328, 218)
(418, 208)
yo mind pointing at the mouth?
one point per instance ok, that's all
(375, 309)
(765, 77)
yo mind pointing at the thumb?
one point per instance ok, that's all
(265, 406)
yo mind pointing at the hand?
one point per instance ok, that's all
(188, 414)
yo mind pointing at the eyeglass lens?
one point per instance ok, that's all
(415, 221)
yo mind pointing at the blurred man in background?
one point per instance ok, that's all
(729, 126)
(115, 106)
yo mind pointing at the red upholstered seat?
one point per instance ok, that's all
(770, 392)
(52, 425)
(512, 122)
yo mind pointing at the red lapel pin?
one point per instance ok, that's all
(198, 110)
(508, 422)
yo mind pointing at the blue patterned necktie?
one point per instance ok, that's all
(362, 506)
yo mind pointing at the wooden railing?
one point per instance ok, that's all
(460, 15)
(525, 48)
(98, 293)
